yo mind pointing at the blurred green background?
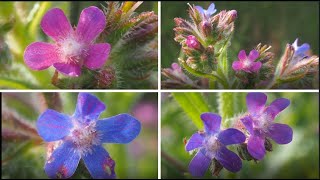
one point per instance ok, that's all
(298, 159)
(273, 23)
(23, 153)
(20, 26)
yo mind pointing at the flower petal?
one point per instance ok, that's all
(256, 102)
(302, 49)
(200, 9)
(56, 25)
(70, 69)
(255, 66)
(99, 163)
(91, 23)
(254, 54)
(228, 159)
(40, 55)
(122, 128)
(280, 133)
(63, 162)
(97, 55)
(256, 147)
(248, 123)
(88, 108)
(211, 9)
(237, 65)
(231, 136)
(276, 107)
(242, 55)
(194, 142)
(199, 164)
(211, 122)
(52, 125)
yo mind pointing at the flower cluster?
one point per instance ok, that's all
(81, 135)
(250, 134)
(205, 42)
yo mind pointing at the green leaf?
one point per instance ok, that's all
(193, 104)
(228, 106)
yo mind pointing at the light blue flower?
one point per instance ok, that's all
(300, 51)
(207, 13)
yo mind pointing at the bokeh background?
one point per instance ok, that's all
(298, 159)
(23, 152)
(20, 26)
(271, 22)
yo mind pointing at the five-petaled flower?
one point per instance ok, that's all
(259, 123)
(207, 13)
(81, 136)
(300, 51)
(212, 144)
(247, 64)
(72, 48)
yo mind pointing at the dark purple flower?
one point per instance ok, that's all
(81, 136)
(192, 42)
(259, 123)
(212, 144)
(207, 13)
(72, 48)
(300, 51)
(247, 64)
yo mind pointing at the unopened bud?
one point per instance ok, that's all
(206, 28)
(232, 16)
(192, 42)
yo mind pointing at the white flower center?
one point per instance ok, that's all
(246, 63)
(71, 50)
(261, 122)
(84, 137)
(211, 145)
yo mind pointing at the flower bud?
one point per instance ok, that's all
(192, 42)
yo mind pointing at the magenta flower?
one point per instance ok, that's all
(192, 42)
(259, 123)
(212, 144)
(247, 64)
(72, 48)
(81, 136)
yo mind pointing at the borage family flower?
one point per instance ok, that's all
(247, 64)
(81, 136)
(207, 13)
(192, 42)
(300, 51)
(72, 48)
(212, 144)
(259, 123)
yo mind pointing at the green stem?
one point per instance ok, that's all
(211, 84)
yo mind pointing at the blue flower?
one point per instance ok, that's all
(212, 144)
(81, 136)
(207, 13)
(300, 51)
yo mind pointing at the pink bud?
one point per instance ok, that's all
(192, 42)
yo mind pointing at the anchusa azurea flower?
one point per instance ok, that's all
(211, 145)
(207, 13)
(81, 135)
(72, 48)
(246, 63)
(259, 123)
(296, 64)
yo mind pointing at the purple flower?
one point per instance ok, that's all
(212, 144)
(207, 13)
(247, 64)
(192, 42)
(72, 48)
(259, 123)
(81, 136)
(300, 51)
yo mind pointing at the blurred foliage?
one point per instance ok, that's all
(20, 26)
(24, 153)
(298, 159)
(273, 23)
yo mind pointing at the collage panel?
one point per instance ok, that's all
(239, 135)
(240, 45)
(78, 45)
(79, 135)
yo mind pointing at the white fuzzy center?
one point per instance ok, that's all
(211, 145)
(71, 50)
